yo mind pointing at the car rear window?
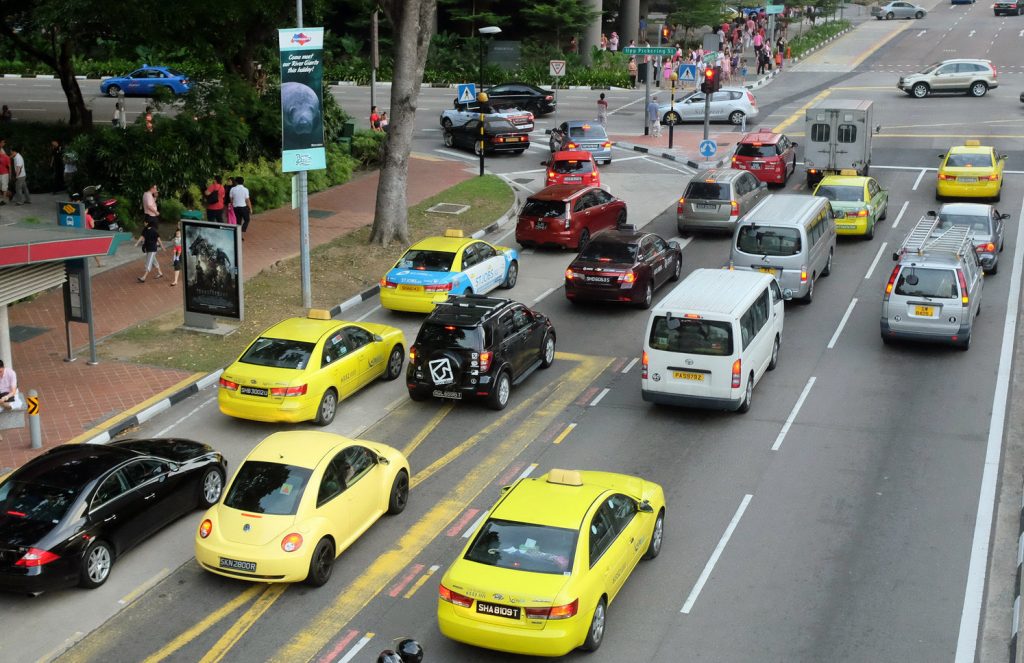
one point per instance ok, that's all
(271, 488)
(982, 224)
(599, 251)
(524, 547)
(969, 160)
(707, 191)
(927, 282)
(437, 335)
(36, 502)
(278, 353)
(587, 131)
(543, 208)
(691, 336)
(175, 72)
(755, 150)
(574, 167)
(768, 240)
(841, 193)
(499, 125)
(427, 261)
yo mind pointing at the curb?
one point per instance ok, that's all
(1015, 629)
(656, 152)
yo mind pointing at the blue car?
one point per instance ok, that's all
(145, 81)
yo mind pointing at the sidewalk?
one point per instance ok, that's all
(75, 397)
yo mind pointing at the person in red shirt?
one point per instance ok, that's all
(5, 173)
(374, 119)
(214, 209)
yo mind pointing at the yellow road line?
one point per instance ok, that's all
(422, 581)
(312, 637)
(141, 589)
(799, 114)
(243, 624)
(881, 42)
(563, 434)
(428, 429)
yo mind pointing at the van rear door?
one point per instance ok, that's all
(691, 355)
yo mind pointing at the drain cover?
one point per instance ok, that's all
(448, 208)
(22, 333)
(320, 213)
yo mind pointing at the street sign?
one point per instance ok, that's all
(774, 9)
(688, 73)
(711, 58)
(649, 50)
(556, 68)
(467, 93)
(707, 148)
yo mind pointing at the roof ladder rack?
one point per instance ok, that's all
(925, 237)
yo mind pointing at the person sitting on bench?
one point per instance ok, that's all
(8, 387)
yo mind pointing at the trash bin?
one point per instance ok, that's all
(348, 130)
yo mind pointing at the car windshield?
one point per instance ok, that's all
(768, 240)
(587, 131)
(927, 282)
(427, 261)
(930, 68)
(691, 336)
(543, 208)
(37, 502)
(573, 167)
(979, 222)
(524, 547)
(841, 193)
(599, 251)
(707, 191)
(271, 488)
(967, 160)
(755, 150)
(278, 353)
(437, 335)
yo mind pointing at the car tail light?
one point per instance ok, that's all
(568, 274)
(497, 139)
(803, 274)
(606, 144)
(571, 146)
(485, 361)
(554, 612)
(384, 283)
(412, 354)
(205, 528)
(628, 277)
(944, 176)
(36, 557)
(737, 369)
(986, 248)
(448, 595)
(548, 98)
(862, 212)
(551, 174)
(993, 177)
(734, 208)
(299, 390)
(566, 221)
(292, 542)
(679, 207)
(228, 384)
(750, 98)
(995, 72)
(644, 361)
(965, 299)
(891, 283)
(593, 176)
(438, 287)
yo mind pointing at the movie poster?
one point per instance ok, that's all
(302, 125)
(211, 254)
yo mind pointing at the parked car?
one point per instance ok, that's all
(582, 135)
(146, 81)
(730, 104)
(898, 9)
(499, 136)
(567, 216)
(522, 95)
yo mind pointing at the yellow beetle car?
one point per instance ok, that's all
(297, 501)
(301, 368)
(538, 575)
(971, 170)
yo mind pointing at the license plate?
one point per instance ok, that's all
(512, 139)
(454, 395)
(924, 311)
(590, 147)
(755, 166)
(254, 391)
(687, 375)
(769, 270)
(598, 279)
(967, 180)
(573, 179)
(846, 226)
(541, 225)
(703, 206)
(237, 565)
(509, 611)
(410, 288)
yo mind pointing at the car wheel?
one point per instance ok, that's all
(919, 15)
(476, 147)
(96, 564)
(395, 361)
(748, 395)
(999, 194)
(547, 354)
(736, 117)
(645, 303)
(621, 220)
(210, 487)
(321, 563)
(511, 276)
(978, 89)
(885, 213)
(328, 408)
(965, 344)
(446, 123)
(828, 263)
(657, 534)
(584, 239)
(678, 270)
(500, 392)
(994, 270)
(890, 16)
(399, 494)
(113, 91)
(870, 234)
(775, 354)
(920, 90)
(595, 634)
(809, 297)
(449, 139)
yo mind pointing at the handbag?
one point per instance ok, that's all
(212, 198)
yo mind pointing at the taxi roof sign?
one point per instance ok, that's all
(849, 171)
(565, 477)
(318, 314)
(973, 142)
(453, 232)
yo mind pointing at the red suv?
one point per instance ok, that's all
(769, 157)
(573, 167)
(567, 215)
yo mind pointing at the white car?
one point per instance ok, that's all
(462, 113)
(730, 104)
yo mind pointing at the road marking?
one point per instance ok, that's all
(368, 313)
(564, 434)
(900, 215)
(191, 412)
(450, 153)
(461, 522)
(921, 33)
(329, 656)
(971, 34)
(528, 471)
(528, 172)
(1021, 33)
(919, 176)
(626, 105)
(476, 524)
(397, 588)
(706, 573)
(800, 112)
(621, 159)
(422, 581)
(792, 415)
(631, 364)
(220, 648)
(428, 429)
(363, 641)
(971, 616)
(660, 162)
(842, 323)
(874, 262)
(144, 587)
(545, 294)
(604, 392)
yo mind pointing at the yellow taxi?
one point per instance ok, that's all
(301, 368)
(297, 501)
(538, 575)
(437, 267)
(858, 203)
(971, 170)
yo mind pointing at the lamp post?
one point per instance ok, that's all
(672, 105)
(487, 31)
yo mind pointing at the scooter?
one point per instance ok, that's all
(103, 211)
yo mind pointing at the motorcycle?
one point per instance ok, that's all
(103, 211)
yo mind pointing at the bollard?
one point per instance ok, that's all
(743, 124)
(33, 419)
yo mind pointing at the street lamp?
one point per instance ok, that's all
(486, 31)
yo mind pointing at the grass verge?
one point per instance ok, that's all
(340, 269)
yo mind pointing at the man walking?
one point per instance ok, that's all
(150, 241)
(149, 209)
(241, 204)
(652, 116)
(214, 198)
(20, 178)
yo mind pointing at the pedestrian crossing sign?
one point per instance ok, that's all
(467, 93)
(688, 73)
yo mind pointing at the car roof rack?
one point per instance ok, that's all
(925, 237)
(468, 308)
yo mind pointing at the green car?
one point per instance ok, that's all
(857, 202)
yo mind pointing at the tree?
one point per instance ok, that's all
(692, 14)
(412, 24)
(476, 16)
(559, 16)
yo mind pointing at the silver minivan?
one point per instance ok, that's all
(790, 236)
(715, 199)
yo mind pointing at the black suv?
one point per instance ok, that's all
(474, 346)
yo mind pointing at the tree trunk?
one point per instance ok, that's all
(412, 21)
(81, 115)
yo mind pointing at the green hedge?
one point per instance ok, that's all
(816, 36)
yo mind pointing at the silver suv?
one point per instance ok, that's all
(715, 199)
(934, 292)
(974, 77)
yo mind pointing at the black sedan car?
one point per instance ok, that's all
(500, 135)
(67, 515)
(623, 265)
(523, 96)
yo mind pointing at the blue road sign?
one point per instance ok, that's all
(467, 93)
(688, 73)
(707, 148)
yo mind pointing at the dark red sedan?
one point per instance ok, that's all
(568, 215)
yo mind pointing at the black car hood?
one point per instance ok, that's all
(21, 532)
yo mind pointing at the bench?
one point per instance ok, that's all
(14, 418)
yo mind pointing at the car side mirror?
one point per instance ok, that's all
(383, 461)
(878, 128)
(762, 185)
(930, 213)
(645, 507)
(1004, 216)
(942, 156)
(673, 245)
(795, 144)
(1002, 157)
(378, 338)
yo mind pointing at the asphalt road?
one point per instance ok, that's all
(853, 540)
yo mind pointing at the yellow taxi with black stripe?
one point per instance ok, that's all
(453, 264)
(297, 501)
(538, 575)
(971, 170)
(858, 203)
(301, 368)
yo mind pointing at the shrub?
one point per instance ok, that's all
(171, 209)
(367, 146)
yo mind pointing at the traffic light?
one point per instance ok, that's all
(665, 33)
(707, 85)
(718, 79)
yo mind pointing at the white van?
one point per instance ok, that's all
(711, 339)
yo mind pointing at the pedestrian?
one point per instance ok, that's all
(758, 41)
(632, 43)
(574, 47)
(21, 195)
(613, 42)
(604, 42)
(8, 387)
(631, 68)
(229, 215)
(57, 165)
(213, 198)
(778, 59)
(374, 118)
(116, 120)
(149, 208)
(5, 174)
(602, 109)
(762, 61)
(176, 256)
(151, 243)
(384, 121)
(5, 115)
(70, 169)
(242, 204)
(652, 116)
(666, 72)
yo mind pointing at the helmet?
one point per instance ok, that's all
(388, 656)
(481, 97)
(410, 651)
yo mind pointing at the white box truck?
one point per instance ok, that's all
(837, 137)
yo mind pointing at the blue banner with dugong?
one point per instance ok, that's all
(302, 75)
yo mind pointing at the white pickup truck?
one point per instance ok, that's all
(462, 113)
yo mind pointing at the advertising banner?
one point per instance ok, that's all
(302, 75)
(212, 269)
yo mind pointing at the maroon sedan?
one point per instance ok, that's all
(568, 215)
